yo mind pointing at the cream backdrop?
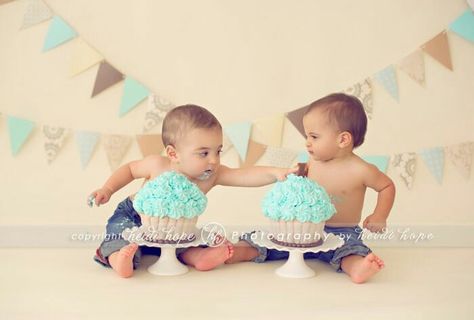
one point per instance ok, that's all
(242, 60)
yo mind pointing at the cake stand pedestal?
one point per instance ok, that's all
(167, 264)
(295, 266)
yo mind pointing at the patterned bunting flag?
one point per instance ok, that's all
(59, 32)
(255, 152)
(381, 162)
(19, 130)
(414, 66)
(464, 25)
(158, 107)
(278, 157)
(116, 147)
(106, 77)
(434, 159)
(84, 57)
(363, 91)
(388, 79)
(36, 11)
(461, 156)
(438, 48)
(133, 93)
(269, 130)
(54, 138)
(150, 144)
(86, 143)
(239, 134)
(405, 164)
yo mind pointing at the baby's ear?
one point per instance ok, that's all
(171, 153)
(345, 139)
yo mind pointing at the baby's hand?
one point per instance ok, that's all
(374, 223)
(282, 173)
(99, 197)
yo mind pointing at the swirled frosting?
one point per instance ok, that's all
(172, 195)
(298, 198)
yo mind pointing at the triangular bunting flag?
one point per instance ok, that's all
(296, 119)
(36, 12)
(438, 48)
(58, 33)
(303, 157)
(133, 93)
(19, 130)
(116, 147)
(226, 145)
(363, 91)
(278, 157)
(106, 77)
(150, 144)
(269, 130)
(461, 156)
(53, 141)
(83, 57)
(381, 162)
(388, 79)
(5, 1)
(239, 134)
(414, 66)
(405, 164)
(86, 142)
(255, 152)
(434, 159)
(464, 25)
(158, 107)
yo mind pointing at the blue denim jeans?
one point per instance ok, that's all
(353, 245)
(124, 217)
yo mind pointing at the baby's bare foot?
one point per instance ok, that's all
(122, 261)
(242, 252)
(212, 257)
(366, 268)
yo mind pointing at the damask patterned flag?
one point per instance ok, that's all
(405, 164)
(116, 146)
(54, 138)
(363, 91)
(278, 157)
(157, 109)
(414, 66)
(461, 157)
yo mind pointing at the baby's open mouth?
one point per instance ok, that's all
(205, 175)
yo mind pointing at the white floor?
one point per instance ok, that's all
(67, 284)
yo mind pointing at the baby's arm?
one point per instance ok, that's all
(375, 179)
(251, 177)
(124, 175)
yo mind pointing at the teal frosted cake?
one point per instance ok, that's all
(298, 208)
(169, 207)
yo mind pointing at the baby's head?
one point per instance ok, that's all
(192, 137)
(334, 124)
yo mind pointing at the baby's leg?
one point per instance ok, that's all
(243, 251)
(360, 268)
(204, 259)
(122, 261)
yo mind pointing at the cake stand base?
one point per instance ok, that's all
(295, 266)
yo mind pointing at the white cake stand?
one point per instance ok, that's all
(295, 266)
(167, 264)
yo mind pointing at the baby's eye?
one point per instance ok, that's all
(204, 154)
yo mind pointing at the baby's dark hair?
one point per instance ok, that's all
(346, 111)
(184, 118)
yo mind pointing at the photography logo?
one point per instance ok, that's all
(214, 234)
